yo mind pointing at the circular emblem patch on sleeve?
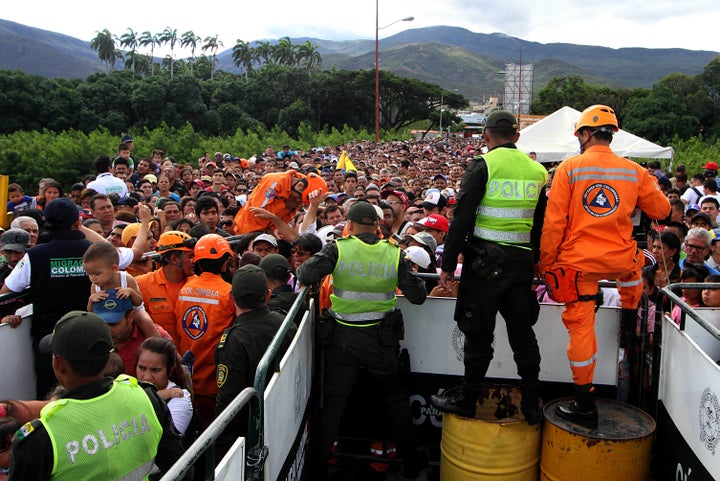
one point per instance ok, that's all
(600, 200)
(222, 372)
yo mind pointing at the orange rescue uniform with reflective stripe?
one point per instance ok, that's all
(271, 193)
(588, 227)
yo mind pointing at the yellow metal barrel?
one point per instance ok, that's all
(619, 449)
(496, 445)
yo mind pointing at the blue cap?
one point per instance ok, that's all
(111, 309)
(690, 207)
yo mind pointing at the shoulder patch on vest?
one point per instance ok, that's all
(24, 431)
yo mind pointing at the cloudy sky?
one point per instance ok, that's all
(616, 24)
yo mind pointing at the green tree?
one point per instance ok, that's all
(284, 52)
(212, 44)
(189, 39)
(130, 40)
(169, 37)
(147, 38)
(309, 56)
(104, 43)
(243, 56)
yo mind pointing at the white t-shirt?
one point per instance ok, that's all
(181, 409)
(691, 197)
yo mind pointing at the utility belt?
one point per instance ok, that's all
(391, 327)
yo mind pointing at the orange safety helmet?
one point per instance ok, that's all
(314, 182)
(174, 240)
(597, 116)
(212, 246)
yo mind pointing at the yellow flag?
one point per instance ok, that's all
(345, 163)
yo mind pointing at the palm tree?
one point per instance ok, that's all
(212, 44)
(104, 43)
(190, 39)
(243, 55)
(146, 39)
(264, 51)
(284, 52)
(169, 36)
(310, 55)
(130, 40)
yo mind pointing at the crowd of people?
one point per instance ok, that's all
(186, 270)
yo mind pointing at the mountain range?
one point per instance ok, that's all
(455, 58)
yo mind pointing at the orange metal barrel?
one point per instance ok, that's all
(619, 449)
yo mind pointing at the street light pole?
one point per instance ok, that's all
(377, 64)
(377, 72)
(442, 94)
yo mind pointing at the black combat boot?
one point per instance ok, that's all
(456, 400)
(582, 410)
(531, 405)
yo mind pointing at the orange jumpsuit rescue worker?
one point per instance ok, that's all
(204, 309)
(587, 237)
(280, 193)
(160, 288)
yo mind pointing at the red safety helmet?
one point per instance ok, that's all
(212, 246)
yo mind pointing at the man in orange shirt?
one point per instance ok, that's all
(587, 237)
(204, 309)
(280, 193)
(160, 288)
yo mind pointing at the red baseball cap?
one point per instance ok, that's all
(435, 221)
(400, 195)
(711, 165)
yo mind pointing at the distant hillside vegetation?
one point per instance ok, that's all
(452, 57)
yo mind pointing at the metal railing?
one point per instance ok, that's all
(256, 452)
(207, 439)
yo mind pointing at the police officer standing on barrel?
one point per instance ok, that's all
(367, 329)
(496, 226)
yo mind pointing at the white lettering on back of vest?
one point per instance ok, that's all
(127, 430)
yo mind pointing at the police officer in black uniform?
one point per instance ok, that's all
(496, 225)
(243, 344)
(72, 440)
(367, 329)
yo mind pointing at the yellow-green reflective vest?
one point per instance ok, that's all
(364, 281)
(111, 437)
(515, 182)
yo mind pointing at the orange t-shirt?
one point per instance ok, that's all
(204, 309)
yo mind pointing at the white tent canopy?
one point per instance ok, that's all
(553, 140)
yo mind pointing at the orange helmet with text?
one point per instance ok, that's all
(212, 246)
(174, 240)
(596, 117)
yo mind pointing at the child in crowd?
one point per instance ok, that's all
(100, 262)
(711, 297)
(17, 200)
(8, 426)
